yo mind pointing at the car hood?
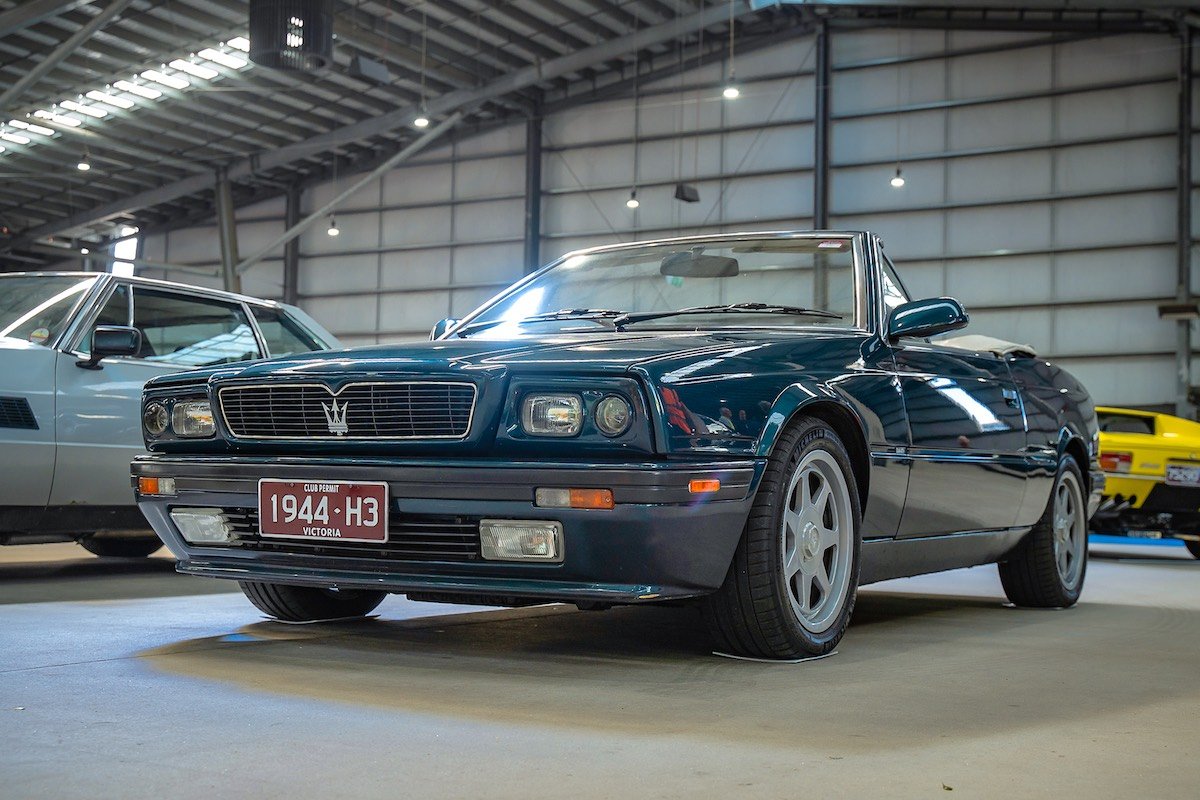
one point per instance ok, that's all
(610, 352)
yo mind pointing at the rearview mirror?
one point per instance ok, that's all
(111, 340)
(441, 328)
(922, 318)
(698, 265)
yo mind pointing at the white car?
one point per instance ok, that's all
(75, 350)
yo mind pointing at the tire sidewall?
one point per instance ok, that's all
(813, 435)
(1070, 595)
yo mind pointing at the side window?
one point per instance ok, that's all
(893, 291)
(115, 311)
(192, 331)
(282, 335)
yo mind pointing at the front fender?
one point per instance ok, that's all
(795, 399)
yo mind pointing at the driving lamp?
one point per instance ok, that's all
(202, 525)
(552, 414)
(613, 415)
(193, 420)
(155, 419)
(520, 540)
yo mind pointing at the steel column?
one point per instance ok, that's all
(821, 117)
(227, 233)
(1183, 231)
(291, 250)
(533, 189)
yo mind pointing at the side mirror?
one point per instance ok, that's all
(442, 327)
(111, 340)
(922, 318)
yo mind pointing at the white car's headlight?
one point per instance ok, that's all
(193, 419)
(552, 415)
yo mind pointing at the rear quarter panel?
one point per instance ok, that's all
(1061, 418)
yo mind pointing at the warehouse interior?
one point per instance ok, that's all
(1032, 159)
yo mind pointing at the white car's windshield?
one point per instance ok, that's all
(35, 308)
(728, 283)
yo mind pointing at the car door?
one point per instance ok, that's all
(966, 434)
(97, 421)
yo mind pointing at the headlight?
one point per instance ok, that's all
(155, 419)
(613, 415)
(552, 414)
(193, 419)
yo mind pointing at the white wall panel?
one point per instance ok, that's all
(1017, 207)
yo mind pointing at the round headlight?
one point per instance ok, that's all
(155, 419)
(613, 415)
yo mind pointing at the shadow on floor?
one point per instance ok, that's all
(91, 578)
(911, 669)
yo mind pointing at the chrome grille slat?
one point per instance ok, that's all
(374, 410)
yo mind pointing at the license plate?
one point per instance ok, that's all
(343, 511)
(1185, 476)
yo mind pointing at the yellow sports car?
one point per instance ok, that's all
(1151, 464)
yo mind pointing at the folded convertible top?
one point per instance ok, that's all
(989, 344)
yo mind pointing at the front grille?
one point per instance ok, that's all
(384, 410)
(411, 537)
(16, 413)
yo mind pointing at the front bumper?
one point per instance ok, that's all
(660, 541)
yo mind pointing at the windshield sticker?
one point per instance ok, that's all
(835, 245)
(39, 335)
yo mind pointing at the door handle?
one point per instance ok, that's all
(1010, 397)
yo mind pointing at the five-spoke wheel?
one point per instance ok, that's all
(791, 587)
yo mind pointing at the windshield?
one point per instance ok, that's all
(811, 273)
(36, 308)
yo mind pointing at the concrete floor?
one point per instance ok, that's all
(123, 679)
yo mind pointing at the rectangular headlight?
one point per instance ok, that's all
(552, 414)
(521, 540)
(193, 419)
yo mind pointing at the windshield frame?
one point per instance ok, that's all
(81, 300)
(864, 320)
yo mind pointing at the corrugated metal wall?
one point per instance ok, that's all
(1039, 191)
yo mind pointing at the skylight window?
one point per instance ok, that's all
(112, 100)
(128, 94)
(91, 111)
(204, 73)
(171, 81)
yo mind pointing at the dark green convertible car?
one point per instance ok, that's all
(759, 423)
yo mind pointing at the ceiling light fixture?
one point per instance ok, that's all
(731, 91)
(632, 202)
(333, 228)
(84, 251)
(422, 120)
(897, 179)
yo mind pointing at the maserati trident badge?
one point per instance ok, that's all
(336, 417)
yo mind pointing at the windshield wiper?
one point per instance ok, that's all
(549, 316)
(730, 308)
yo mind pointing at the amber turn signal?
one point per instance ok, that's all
(574, 498)
(704, 485)
(156, 485)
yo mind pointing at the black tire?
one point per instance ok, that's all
(308, 604)
(756, 612)
(1193, 548)
(1034, 575)
(122, 547)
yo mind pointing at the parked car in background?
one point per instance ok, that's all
(1152, 468)
(75, 350)
(754, 421)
